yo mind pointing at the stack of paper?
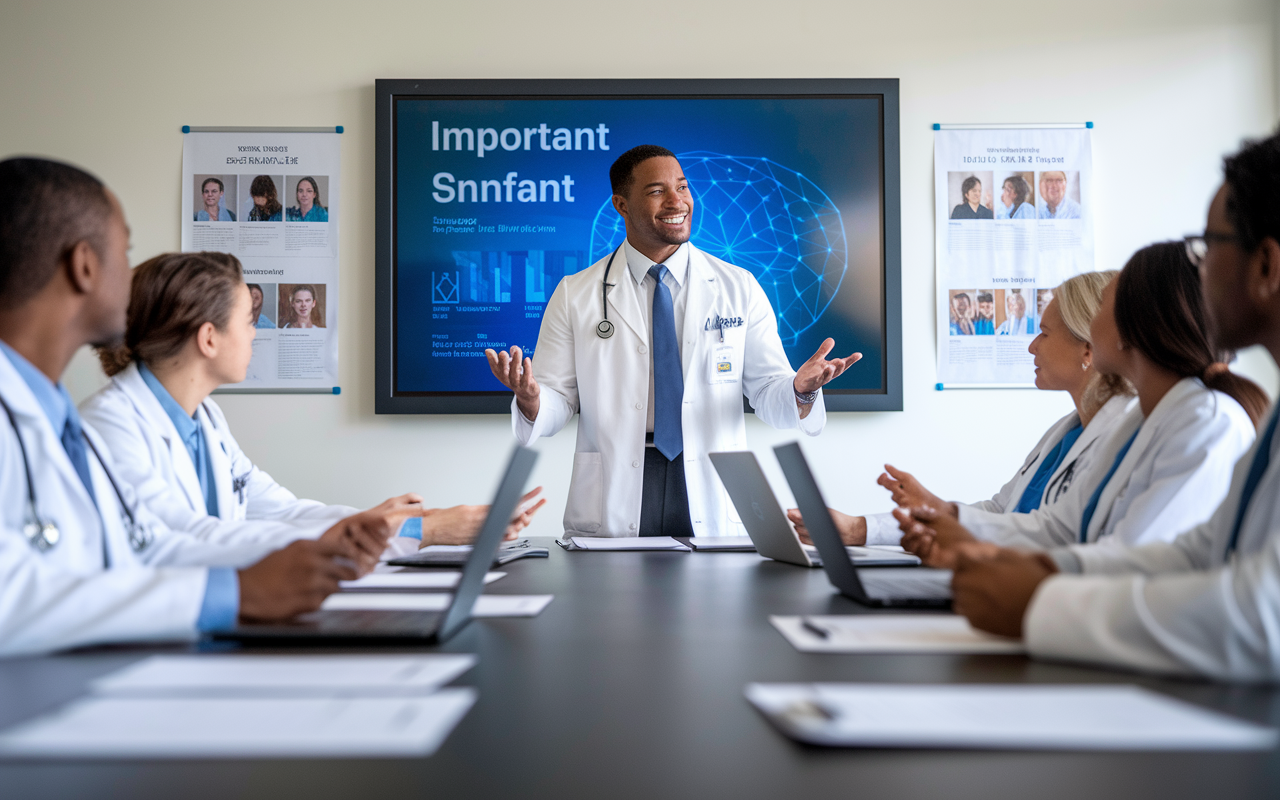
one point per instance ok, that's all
(722, 543)
(249, 706)
(890, 633)
(999, 717)
(628, 543)
(487, 605)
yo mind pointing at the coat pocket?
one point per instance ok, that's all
(584, 510)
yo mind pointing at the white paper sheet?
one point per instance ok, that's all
(294, 674)
(722, 543)
(131, 727)
(891, 633)
(487, 605)
(999, 717)
(628, 543)
(413, 579)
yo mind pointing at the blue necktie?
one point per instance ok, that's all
(1261, 459)
(1097, 493)
(668, 377)
(73, 443)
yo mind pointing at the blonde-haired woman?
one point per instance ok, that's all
(1064, 362)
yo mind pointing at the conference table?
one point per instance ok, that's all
(630, 685)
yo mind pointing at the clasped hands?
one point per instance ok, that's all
(991, 586)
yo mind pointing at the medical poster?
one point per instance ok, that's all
(271, 199)
(1014, 219)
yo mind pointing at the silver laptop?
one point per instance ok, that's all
(917, 587)
(768, 526)
(362, 628)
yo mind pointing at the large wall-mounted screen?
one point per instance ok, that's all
(491, 192)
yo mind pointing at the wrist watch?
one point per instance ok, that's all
(805, 398)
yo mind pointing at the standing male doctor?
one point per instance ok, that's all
(655, 345)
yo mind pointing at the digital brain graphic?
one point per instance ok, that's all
(767, 219)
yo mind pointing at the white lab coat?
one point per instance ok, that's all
(1176, 607)
(64, 597)
(607, 381)
(883, 528)
(1174, 475)
(149, 455)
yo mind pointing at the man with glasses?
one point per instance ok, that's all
(1206, 603)
(1053, 196)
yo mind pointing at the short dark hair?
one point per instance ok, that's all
(622, 173)
(1253, 197)
(964, 295)
(986, 297)
(208, 181)
(46, 209)
(968, 184)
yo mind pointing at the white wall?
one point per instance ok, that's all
(1171, 86)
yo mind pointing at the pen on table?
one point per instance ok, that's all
(814, 628)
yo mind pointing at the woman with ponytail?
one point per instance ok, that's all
(1064, 362)
(189, 330)
(1168, 463)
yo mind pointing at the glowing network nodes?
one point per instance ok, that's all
(767, 219)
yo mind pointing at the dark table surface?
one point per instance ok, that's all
(630, 685)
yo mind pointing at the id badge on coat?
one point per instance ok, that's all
(724, 365)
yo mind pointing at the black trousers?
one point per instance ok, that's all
(664, 510)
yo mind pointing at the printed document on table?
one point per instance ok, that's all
(722, 543)
(487, 605)
(891, 633)
(1028, 717)
(292, 674)
(628, 543)
(412, 579)
(259, 727)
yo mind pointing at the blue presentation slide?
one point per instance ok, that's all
(497, 200)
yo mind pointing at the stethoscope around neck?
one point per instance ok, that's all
(604, 329)
(43, 534)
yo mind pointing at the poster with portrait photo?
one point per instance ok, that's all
(1015, 312)
(969, 195)
(1059, 194)
(260, 198)
(1016, 173)
(308, 198)
(1044, 296)
(291, 268)
(263, 297)
(215, 198)
(301, 306)
(1015, 196)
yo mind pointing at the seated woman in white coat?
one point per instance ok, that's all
(82, 562)
(1064, 363)
(190, 329)
(1168, 463)
(1205, 603)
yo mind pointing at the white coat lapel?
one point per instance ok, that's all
(136, 389)
(1149, 431)
(701, 286)
(220, 464)
(621, 295)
